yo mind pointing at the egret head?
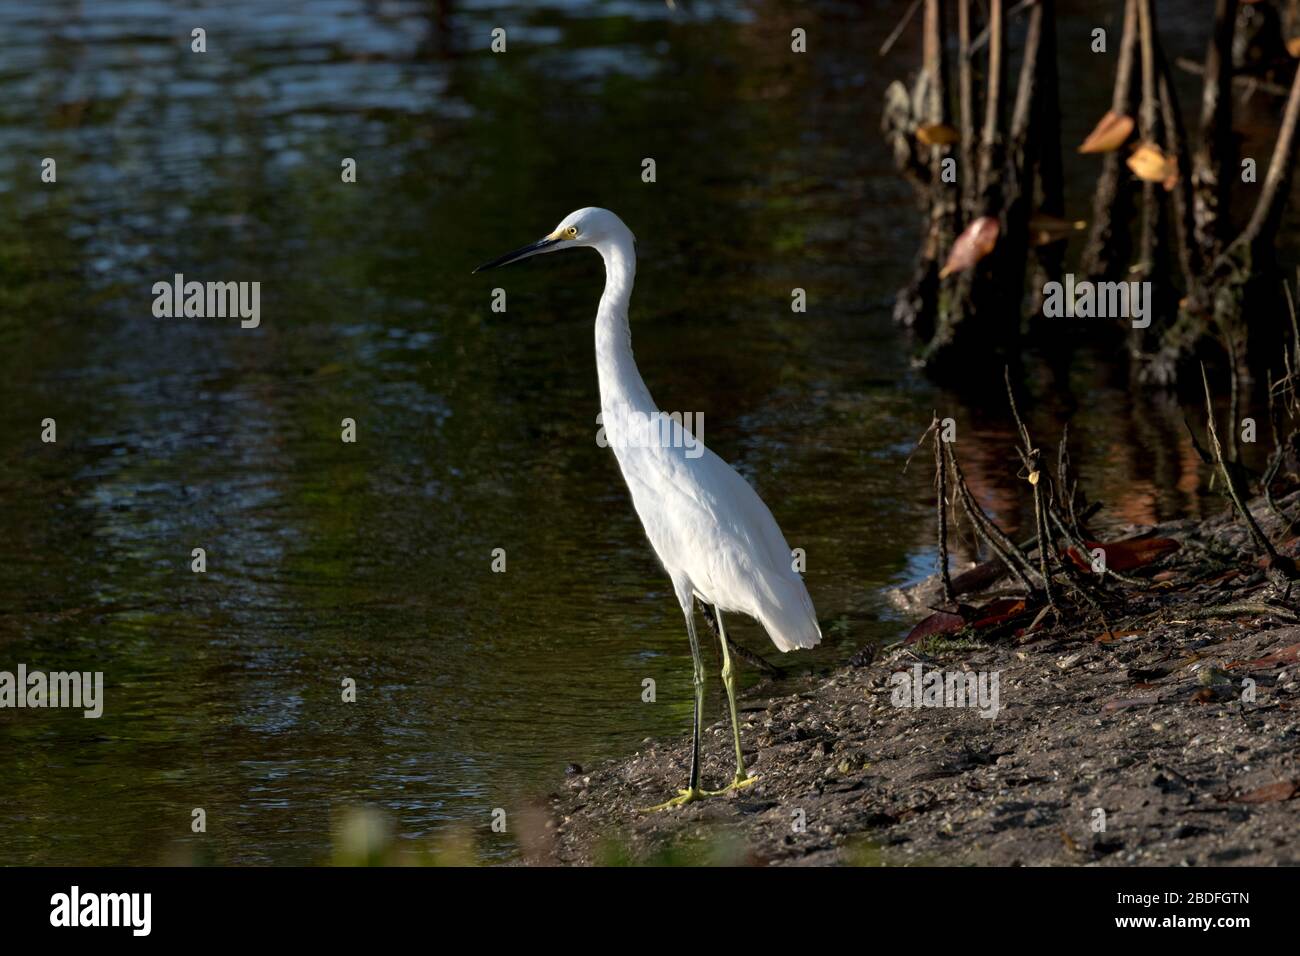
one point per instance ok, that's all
(590, 226)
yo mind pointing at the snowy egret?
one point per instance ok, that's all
(712, 533)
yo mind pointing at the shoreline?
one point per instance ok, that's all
(1142, 742)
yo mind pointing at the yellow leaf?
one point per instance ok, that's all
(937, 134)
(1151, 164)
(1045, 229)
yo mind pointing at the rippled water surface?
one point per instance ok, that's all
(476, 429)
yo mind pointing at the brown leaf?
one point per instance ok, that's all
(1220, 578)
(1293, 46)
(998, 612)
(1271, 793)
(1153, 165)
(1045, 229)
(951, 621)
(1287, 655)
(1127, 554)
(937, 134)
(1123, 703)
(1110, 637)
(940, 622)
(978, 577)
(1109, 134)
(976, 241)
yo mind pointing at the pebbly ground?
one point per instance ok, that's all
(1137, 723)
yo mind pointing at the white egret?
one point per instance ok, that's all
(712, 533)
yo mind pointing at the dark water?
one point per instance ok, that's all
(476, 429)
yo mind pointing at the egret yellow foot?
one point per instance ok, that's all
(739, 783)
(683, 797)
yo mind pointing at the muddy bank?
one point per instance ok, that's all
(1133, 742)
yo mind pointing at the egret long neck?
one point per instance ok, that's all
(620, 382)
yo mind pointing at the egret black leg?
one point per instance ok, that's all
(692, 791)
(697, 720)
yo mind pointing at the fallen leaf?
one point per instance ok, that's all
(950, 622)
(1287, 655)
(1109, 637)
(1127, 554)
(940, 622)
(1293, 46)
(1271, 793)
(1151, 164)
(976, 241)
(978, 577)
(1123, 703)
(998, 612)
(1109, 134)
(1045, 229)
(1038, 619)
(937, 134)
(1145, 675)
(1220, 578)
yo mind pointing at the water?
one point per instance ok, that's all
(372, 560)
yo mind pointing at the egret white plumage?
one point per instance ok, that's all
(711, 531)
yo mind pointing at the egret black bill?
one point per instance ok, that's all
(523, 253)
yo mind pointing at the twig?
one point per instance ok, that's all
(744, 653)
(1260, 540)
(983, 38)
(1241, 607)
(986, 530)
(1253, 83)
(898, 30)
(941, 477)
(1033, 474)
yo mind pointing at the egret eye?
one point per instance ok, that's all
(571, 232)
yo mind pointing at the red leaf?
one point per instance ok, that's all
(998, 612)
(1127, 554)
(1110, 133)
(1272, 793)
(978, 577)
(1110, 637)
(940, 622)
(976, 241)
(949, 622)
(1287, 655)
